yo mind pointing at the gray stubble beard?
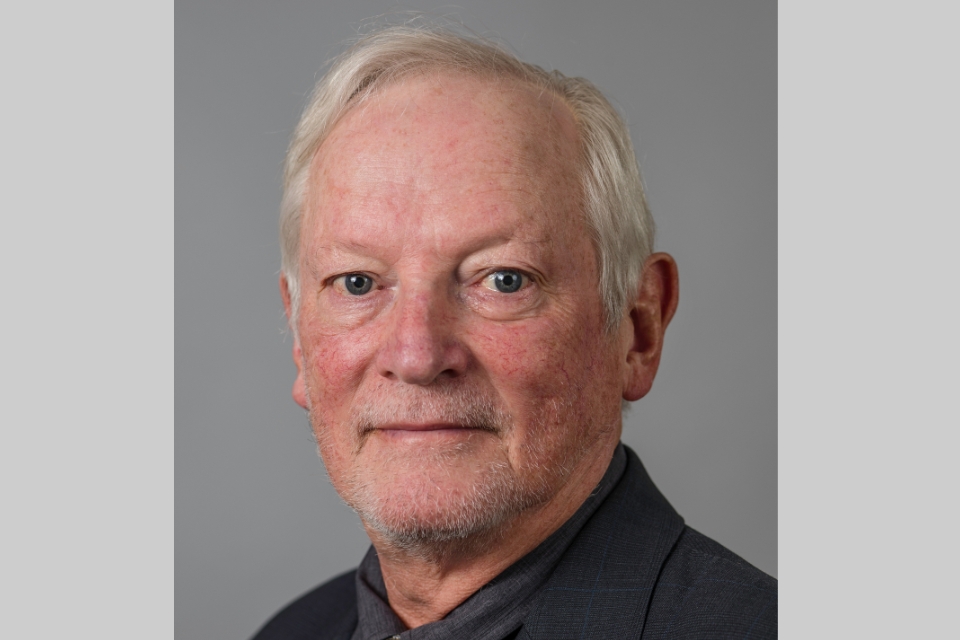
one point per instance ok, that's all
(478, 515)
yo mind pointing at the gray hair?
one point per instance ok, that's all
(615, 206)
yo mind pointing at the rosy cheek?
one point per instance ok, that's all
(335, 366)
(516, 358)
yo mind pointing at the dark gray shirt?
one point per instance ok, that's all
(498, 609)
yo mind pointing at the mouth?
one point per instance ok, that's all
(428, 431)
(432, 426)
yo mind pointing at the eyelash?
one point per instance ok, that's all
(342, 279)
(525, 279)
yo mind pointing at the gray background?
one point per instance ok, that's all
(257, 523)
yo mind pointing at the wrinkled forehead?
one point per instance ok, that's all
(471, 125)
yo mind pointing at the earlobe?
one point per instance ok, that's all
(299, 386)
(644, 327)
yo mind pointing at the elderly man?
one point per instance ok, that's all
(470, 282)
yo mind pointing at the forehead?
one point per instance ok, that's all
(452, 138)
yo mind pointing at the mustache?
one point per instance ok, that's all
(461, 406)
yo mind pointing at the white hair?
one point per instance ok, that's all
(615, 206)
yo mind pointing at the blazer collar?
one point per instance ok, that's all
(605, 580)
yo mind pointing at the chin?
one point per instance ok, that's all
(431, 507)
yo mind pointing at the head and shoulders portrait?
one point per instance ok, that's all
(475, 295)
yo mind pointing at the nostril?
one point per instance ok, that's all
(420, 365)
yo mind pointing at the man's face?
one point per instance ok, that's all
(452, 349)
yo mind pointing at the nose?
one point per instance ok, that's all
(422, 345)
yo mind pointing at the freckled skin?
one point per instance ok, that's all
(428, 188)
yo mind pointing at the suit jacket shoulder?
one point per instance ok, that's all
(637, 571)
(707, 591)
(329, 611)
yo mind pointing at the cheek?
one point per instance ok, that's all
(333, 367)
(538, 364)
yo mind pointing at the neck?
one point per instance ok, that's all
(427, 582)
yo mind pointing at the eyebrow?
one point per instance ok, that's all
(349, 245)
(353, 245)
(350, 248)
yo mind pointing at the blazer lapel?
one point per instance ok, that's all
(602, 587)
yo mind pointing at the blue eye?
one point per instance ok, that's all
(507, 281)
(357, 283)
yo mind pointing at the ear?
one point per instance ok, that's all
(299, 388)
(643, 329)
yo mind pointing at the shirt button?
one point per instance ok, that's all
(394, 637)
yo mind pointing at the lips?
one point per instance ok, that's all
(425, 433)
(441, 426)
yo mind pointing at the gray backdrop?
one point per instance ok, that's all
(256, 521)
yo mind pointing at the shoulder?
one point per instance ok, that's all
(636, 570)
(329, 611)
(707, 591)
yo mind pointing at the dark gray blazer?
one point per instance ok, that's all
(634, 571)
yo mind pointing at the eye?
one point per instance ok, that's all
(357, 284)
(506, 281)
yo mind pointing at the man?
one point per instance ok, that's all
(469, 278)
